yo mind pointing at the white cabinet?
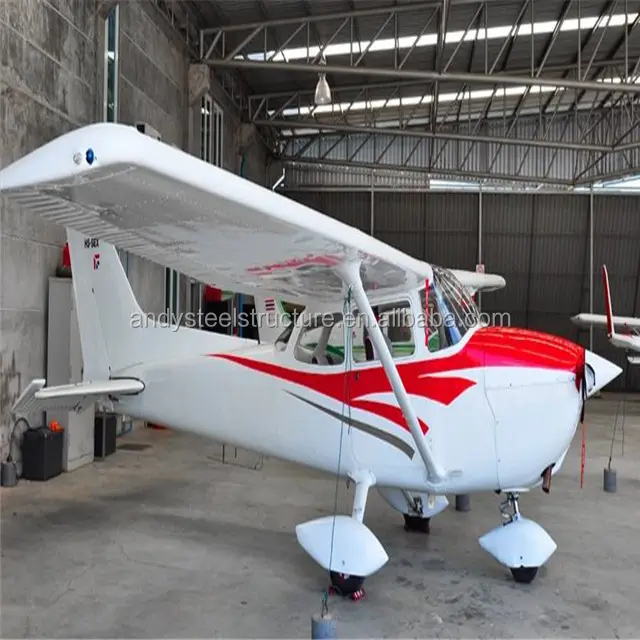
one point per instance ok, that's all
(64, 366)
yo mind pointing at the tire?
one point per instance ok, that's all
(524, 575)
(345, 584)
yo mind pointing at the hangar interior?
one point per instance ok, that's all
(496, 135)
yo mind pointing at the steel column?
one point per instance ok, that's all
(591, 214)
(480, 240)
(372, 222)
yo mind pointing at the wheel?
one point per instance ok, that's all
(414, 523)
(345, 584)
(524, 575)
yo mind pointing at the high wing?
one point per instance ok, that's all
(586, 320)
(479, 282)
(113, 183)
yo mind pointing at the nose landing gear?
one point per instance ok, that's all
(524, 575)
(520, 544)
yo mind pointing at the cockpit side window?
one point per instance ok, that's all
(396, 323)
(321, 339)
(437, 337)
(451, 310)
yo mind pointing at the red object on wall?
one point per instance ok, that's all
(211, 294)
(66, 256)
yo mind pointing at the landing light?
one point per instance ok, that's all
(90, 156)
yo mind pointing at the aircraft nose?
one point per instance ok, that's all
(511, 347)
(599, 372)
(526, 348)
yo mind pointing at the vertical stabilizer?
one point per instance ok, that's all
(105, 304)
(272, 318)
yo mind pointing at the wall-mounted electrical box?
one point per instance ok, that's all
(148, 130)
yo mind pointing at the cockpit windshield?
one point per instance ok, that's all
(451, 310)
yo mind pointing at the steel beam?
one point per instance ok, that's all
(408, 74)
(438, 135)
(430, 172)
(327, 17)
(348, 88)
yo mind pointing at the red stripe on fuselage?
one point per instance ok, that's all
(365, 382)
(488, 347)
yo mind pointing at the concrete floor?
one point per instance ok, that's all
(169, 542)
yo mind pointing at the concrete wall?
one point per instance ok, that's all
(47, 86)
(51, 81)
(152, 88)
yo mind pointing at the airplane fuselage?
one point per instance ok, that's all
(496, 409)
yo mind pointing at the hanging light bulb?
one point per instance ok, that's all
(323, 91)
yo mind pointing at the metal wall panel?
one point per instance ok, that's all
(451, 229)
(399, 212)
(539, 243)
(351, 208)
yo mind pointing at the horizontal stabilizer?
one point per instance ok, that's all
(479, 282)
(586, 320)
(348, 546)
(73, 397)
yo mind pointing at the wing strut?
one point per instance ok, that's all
(350, 274)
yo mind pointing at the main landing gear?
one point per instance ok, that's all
(416, 519)
(345, 584)
(416, 508)
(345, 547)
(520, 544)
(342, 584)
(416, 523)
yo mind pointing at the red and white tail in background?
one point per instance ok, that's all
(616, 339)
(611, 331)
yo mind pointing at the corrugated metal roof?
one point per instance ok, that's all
(499, 14)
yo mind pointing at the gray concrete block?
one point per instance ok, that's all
(135, 106)
(25, 268)
(28, 68)
(141, 72)
(147, 283)
(53, 34)
(80, 13)
(138, 25)
(17, 223)
(22, 358)
(29, 122)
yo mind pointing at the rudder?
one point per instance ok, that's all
(106, 306)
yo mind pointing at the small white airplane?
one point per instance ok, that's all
(485, 409)
(629, 340)
(273, 316)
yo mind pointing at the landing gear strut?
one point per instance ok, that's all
(523, 575)
(344, 584)
(415, 520)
